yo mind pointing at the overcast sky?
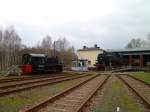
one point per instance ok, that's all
(108, 23)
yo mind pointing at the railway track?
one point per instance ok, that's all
(105, 95)
(15, 78)
(9, 89)
(140, 88)
(73, 99)
(21, 78)
(148, 84)
(30, 77)
(30, 80)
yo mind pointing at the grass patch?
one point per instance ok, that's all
(15, 102)
(1, 77)
(14, 69)
(145, 76)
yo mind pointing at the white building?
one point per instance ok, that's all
(89, 54)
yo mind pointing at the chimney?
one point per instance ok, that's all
(84, 47)
(95, 46)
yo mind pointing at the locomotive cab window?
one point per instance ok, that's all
(26, 59)
(37, 60)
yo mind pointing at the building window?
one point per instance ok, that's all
(89, 62)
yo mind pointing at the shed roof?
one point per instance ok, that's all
(131, 51)
(128, 50)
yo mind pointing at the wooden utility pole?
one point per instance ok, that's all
(54, 49)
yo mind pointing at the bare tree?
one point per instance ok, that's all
(64, 51)
(138, 43)
(62, 44)
(10, 46)
(47, 44)
(148, 40)
(134, 43)
(1, 37)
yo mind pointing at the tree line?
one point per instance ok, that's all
(12, 48)
(139, 42)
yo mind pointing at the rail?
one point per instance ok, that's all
(144, 100)
(44, 83)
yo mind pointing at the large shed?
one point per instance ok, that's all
(134, 56)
